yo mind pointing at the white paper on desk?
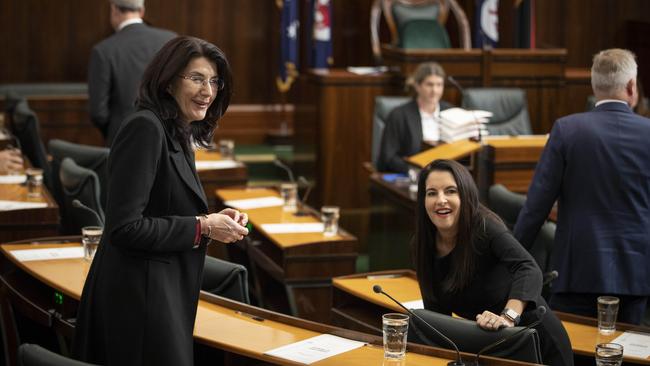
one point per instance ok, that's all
(25, 255)
(251, 203)
(634, 344)
(216, 164)
(13, 179)
(315, 349)
(307, 227)
(415, 304)
(19, 205)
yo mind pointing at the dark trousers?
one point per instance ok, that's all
(631, 309)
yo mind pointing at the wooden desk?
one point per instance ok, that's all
(357, 307)
(292, 271)
(27, 223)
(220, 323)
(211, 179)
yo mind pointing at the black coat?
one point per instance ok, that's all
(140, 297)
(402, 136)
(504, 270)
(114, 72)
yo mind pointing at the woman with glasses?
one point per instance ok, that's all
(140, 297)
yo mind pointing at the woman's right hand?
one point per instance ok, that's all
(224, 229)
(10, 160)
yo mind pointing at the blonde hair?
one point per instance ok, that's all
(423, 71)
(611, 71)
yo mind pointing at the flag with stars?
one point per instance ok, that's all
(289, 28)
(487, 24)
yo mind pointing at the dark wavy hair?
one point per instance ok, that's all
(166, 65)
(471, 228)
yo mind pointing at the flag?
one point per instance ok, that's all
(487, 24)
(321, 56)
(525, 23)
(289, 28)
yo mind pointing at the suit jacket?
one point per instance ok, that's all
(597, 166)
(139, 300)
(402, 136)
(116, 67)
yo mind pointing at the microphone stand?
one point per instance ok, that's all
(301, 209)
(77, 204)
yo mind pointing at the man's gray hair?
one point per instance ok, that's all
(612, 70)
(129, 4)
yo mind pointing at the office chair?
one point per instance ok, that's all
(35, 355)
(508, 105)
(383, 106)
(505, 203)
(81, 184)
(24, 125)
(225, 279)
(469, 337)
(94, 158)
(417, 24)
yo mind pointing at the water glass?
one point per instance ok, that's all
(330, 217)
(395, 329)
(227, 149)
(607, 311)
(609, 354)
(34, 182)
(289, 194)
(90, 238)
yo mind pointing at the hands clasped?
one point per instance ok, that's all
(227, 226)
(10, 160)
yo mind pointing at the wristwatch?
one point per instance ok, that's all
(511, 315)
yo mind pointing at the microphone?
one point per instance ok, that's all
(77, 204)
(455, 83)
(301, 211)
(541, 310)
(459, 360)
(283, 166)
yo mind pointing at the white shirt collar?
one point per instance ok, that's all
(609, 101)
(128, 22)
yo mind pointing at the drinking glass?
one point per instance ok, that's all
(34, 182)
(289, 194)
(609, 354)
(330, 218)
(227, 149)
(90, 238)
(395, 329)
(607, 311)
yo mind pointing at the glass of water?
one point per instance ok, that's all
(227, 149)
(289, 194)
(330, 217)
(607, 311)
(395, 329)
(34, 182)
(609, 354)
(90, 237)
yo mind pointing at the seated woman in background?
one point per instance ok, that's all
(469, 263)
(416, 121)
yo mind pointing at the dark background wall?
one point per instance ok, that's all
(49, 41)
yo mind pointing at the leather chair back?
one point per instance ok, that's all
(509, 106)
(225, 279)
(82, 184)
(35, 355)
(383, 106)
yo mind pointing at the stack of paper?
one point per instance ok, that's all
(19, 205)
(315, 349)
(215, 164)
(459, 124)
(251, 203)
(13, 179)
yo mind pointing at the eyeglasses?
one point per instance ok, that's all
(215, 83)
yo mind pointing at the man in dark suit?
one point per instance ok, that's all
(117, 64)
(597, 166)
(416, 121)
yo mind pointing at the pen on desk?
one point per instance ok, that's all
(254, 317)
(381, 277)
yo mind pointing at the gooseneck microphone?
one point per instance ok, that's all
(284, 167)
(541, 310)
(301, 209)
(459, 360)
(77, 204)
(455, 83)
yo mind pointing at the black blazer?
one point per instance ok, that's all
(597, 166)
(114, 72)
(402, 136)
(139, 300)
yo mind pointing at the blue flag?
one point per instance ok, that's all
(486, 29)
(321, 56)
(289, 28)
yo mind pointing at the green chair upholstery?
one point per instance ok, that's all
(509, 106)
(417, 26)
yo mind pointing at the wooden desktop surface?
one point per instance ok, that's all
(226, 324)
(404, 287)
(212, 179)
(27, 223)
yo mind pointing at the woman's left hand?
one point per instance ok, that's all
(239, 217)
(491, 321)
